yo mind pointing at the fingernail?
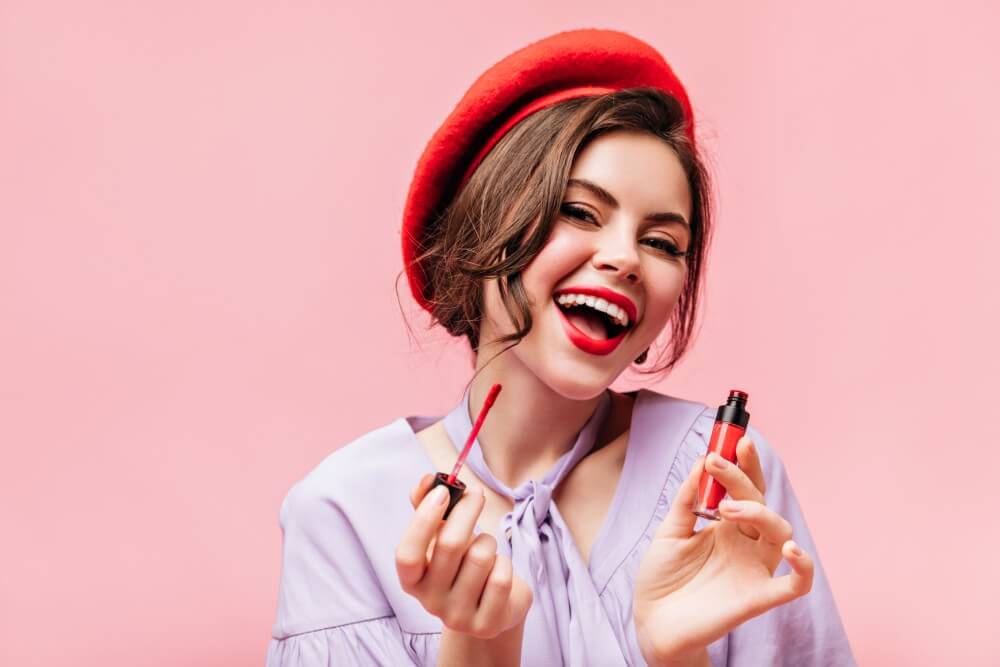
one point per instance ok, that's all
(719, 462)
(731, 506)
(438, 496)
(796, 550)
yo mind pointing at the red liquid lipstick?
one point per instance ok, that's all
(730, 424)
(454, 485)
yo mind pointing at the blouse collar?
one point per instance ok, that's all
(458, 424)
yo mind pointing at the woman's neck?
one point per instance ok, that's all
(530, 426)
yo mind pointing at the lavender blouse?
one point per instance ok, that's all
(340, 602)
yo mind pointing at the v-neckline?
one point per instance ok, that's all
(610, 517)
(616, 498)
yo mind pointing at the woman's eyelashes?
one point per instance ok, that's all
(666, 246)
(579, 213)
(661, 244)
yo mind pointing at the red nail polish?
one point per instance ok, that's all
(730, 424)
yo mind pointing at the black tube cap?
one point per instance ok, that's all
(734, 411)
(455, 489)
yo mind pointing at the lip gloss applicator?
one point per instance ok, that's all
(455, 486)
(730, 424)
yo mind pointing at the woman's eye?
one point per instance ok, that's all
(661, 244)
(578, 213)
(666, 246)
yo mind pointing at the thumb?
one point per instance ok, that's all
(680, 520)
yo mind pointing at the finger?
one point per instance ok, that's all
(680, 520)
(494, 606)
(769, 525)
(749, 462)
(453, 540)
(521, 597)
(463, 600)
(420, 490)
(737, 484)
(795, 584)
(411, 553)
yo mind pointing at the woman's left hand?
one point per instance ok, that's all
(694, 587)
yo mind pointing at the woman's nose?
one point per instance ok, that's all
(618, 256)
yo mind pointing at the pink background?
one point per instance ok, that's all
(198, 240)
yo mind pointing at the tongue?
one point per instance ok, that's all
(589, 322)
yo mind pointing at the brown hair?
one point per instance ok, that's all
(501, 218)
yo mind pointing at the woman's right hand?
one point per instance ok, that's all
(460, 579)
(692, 587)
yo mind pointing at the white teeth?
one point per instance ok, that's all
(614, 311)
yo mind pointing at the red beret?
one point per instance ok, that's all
(576, 63)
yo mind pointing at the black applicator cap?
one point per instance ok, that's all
(734, 410)
(455, 490)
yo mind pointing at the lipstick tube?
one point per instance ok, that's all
(730, 424)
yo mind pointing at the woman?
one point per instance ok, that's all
(558, 221)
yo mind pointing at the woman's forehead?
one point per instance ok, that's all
(631, 170)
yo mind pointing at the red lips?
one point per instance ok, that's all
(580, 339)
(608, 295)
(585, 342)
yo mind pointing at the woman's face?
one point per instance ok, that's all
(626, 206)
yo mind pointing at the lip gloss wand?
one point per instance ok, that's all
(730, 424)
(455, 486)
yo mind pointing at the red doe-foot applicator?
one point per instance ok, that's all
(730, 424)
(455, 486)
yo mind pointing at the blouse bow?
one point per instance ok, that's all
(567, 623)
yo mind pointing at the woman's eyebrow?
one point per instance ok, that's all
(609, 199)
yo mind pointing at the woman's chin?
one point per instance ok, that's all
(577, 381)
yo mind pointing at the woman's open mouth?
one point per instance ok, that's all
(589, 325)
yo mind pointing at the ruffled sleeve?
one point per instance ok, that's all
(378, 641)
(807, 631)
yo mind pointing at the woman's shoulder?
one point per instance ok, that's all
(370, 461)
(662, 411)
(662, 414)
(341, 523)
(362, 485)
(679, 430)
(661, 404)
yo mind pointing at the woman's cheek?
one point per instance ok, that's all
(562, 254)
(662, 302)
